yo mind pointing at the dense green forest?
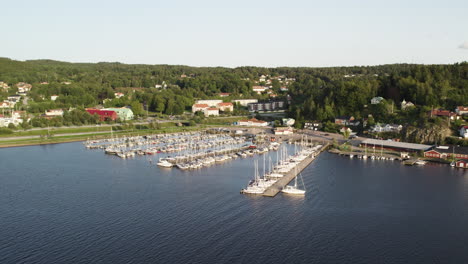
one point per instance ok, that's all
(317, 94)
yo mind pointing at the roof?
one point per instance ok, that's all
(212, 109)
(462, 108)
(201, 105)
(100, 112)
(440, 112)
(388, 143)
(225, 104)
(451, 149)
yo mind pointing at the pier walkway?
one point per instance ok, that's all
(274, 189)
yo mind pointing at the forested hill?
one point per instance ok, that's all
(318, 93)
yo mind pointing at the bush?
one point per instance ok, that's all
(5, 131)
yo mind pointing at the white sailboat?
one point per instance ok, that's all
(164, 163)
(293, 189)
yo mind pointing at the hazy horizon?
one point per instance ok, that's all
(260, 33)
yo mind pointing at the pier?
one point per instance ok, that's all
(274, 189)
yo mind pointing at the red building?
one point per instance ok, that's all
(445, 152)
(104, 115)
(462, 163)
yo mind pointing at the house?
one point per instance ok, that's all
(245, 102)
(445, 152)
(211, 103)
(4, 86)
(259, 89)
(224, 94)
(5, 105)
(54, 97)
(262, 78)
(104, 115)
(463, 163)
(284, 89)
(252, 122)
(346, 121)
(444, 113)
(464, 131)
(226, 107)
(199, 107)
(283, 131)
(123, 113)
(118, 95)
(386, 128)
(346, 130)
(376, 100)
(211, 111)
(14, 98)
(405, 105)
(461, 110)
(23, 87)
(66, 83)
(288, 121)
(5, 121)
(54, 112)
(313, 125)
(44, 83)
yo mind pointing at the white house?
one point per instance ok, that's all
(54, 112)
(119, 95)
(376, 100)
(54, 97)
(283, 131)
(252, 122)
(346, 129)
(288, 121)
(14, 98)
(406, 105)
(259, 89)
(387, 128)
(211, 103)
(461, 110)
(211, 111)
(5, 105)
(284, 89)
(4, 86)
(199, 107)
(245, 102)
(464, 131)
(226, 107)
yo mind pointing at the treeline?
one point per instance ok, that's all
(317, 94)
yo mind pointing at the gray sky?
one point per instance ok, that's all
(237, 33)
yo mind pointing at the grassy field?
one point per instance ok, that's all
(71, 138)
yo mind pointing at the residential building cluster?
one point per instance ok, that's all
(212, 107)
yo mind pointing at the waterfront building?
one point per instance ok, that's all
(445, 152)
(463, 163)
(104, 115)
(394, 145)
(123, 113)
(252, 122)
(283, 131)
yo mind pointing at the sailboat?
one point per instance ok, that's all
(293, 189)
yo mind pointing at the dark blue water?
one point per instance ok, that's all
(65, 204)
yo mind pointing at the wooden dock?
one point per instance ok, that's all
(273, 190)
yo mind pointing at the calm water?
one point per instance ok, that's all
(65, 204)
